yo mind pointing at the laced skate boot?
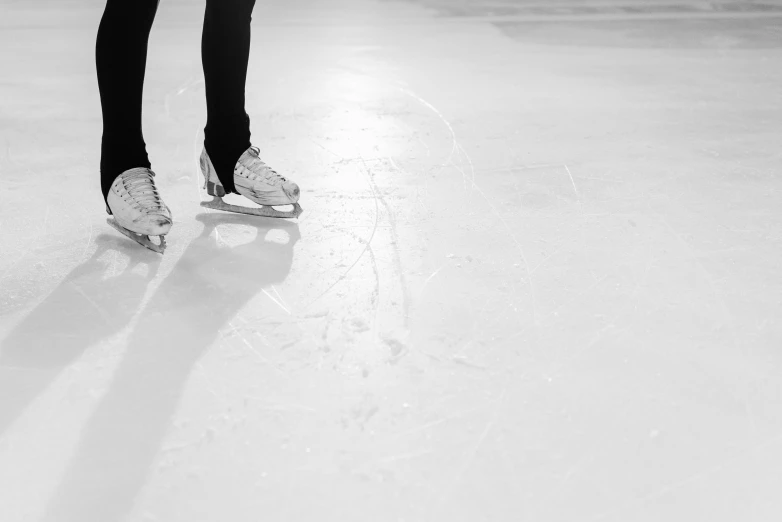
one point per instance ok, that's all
(256, 181)
(138, 210)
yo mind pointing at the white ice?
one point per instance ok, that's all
(537, 277)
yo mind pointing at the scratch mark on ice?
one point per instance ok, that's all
(676, 484)
(103, 315)
(252, 348)
(459, 148)
(87, 246)
(433, 274)
(275, 301)
(573, 182)
(45, 219)
(366, 245)
(474, 451)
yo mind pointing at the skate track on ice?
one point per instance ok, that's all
(537, 277)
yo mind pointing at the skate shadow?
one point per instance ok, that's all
(206, 288)
(87, 307)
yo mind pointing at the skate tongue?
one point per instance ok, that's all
(141, 186)
(259, 167)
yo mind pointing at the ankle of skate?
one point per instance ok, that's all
(255, 181)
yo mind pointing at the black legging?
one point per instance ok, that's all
(121, 56)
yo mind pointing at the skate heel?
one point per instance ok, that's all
(211, 181)
(214, 189)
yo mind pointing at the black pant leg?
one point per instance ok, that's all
(120, 58)
(225, 53)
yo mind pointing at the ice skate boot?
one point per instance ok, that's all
(256, 181)
(138, 210)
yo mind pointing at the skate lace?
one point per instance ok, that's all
(258, 169)
(140, 185)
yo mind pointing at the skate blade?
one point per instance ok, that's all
(217, 203)
(141, 239)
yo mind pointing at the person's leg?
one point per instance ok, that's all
(225, 53)
(228, 162)
(121, 56)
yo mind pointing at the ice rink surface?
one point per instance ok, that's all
(537, 277)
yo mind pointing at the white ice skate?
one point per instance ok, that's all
(138, 210)
(256, 181)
